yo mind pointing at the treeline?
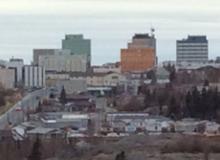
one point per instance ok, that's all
(4, 93)
(202, 104)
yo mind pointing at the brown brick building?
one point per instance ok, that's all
(140, 54)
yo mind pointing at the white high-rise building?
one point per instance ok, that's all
(34, 76)
(194, 49)
(16, 64)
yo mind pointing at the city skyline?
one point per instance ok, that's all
(25, 28)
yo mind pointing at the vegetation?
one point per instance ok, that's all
(7, 99)
(2, 100)
(203, 103)
(120, 156)
(167, 146)
(36, 153)
(63, 96)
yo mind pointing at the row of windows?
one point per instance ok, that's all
(192, 54)
(191, 44)
(194, 59)
(192, 49)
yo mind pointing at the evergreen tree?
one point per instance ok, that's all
(188, 101)
(39, 107)
(168, 67)
(216, 101)
(52, 95)
(204, 107)
(173, 109)
(63, 96)
(2, 100)
(195, 102)
(36, 153)
(147, 98)
(120, 156)
(172, 76)
(206, 83)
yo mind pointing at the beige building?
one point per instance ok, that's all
(105, 79)
(63, 63)
(46, 52)
(7, 78)
(71, 82)
(71, 85)
(108, 67)
(57, 76)
(104, 69)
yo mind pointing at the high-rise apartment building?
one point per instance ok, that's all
(194, 49)
(34, 76)
(78, 45)
(140, 54)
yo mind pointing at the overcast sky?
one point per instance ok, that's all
(28, 24)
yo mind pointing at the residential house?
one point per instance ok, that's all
(74, 121)
(138, 122)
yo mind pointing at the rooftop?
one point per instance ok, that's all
(142, 36)
(137, 116)
(194, 39)
(73, 36)
(41, 130)
(53, 117)
(16, 60)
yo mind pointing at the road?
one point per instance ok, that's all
(30, 101)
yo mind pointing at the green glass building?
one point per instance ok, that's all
(78, 45)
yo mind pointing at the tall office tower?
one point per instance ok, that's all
(140, 54)
(78, 46)
(194, 49)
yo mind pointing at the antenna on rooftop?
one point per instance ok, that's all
(152, 31)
